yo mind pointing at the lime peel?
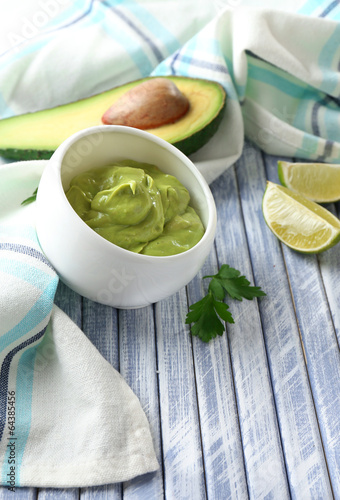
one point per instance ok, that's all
(319, 182)
(299, 223)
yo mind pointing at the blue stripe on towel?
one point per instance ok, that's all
(4, 374)
(146, 39)
(37, 42)
(23, 410)
(34, 316)
(20, 231)
(308, 146)
(327, 152)
(329, 58)
(201, 63)
(280, 82)
(148, 21)
(329, 8)
(32, 275)
(31, 252)
(124, 38)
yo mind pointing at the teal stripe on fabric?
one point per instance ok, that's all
(26, 272)
(74, 11)
(183, 64)
(35, 315)
(124, 38)
(153, 25)
(331, 120)
(23, 410)
(5, 110)
(35, 44)
(272, 78)
(302, 116)
(336, 14)
(309, 7)
(309, 146)
(24, 393)
(329, 60)
(20, 231)
(328, 9)
(240, 89)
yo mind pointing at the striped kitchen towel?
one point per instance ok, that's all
(280, 68)
(55, 387)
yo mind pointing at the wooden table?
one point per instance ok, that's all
(254, 413)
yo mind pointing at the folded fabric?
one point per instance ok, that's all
(55, 387)
(279, 68)
(283, 84)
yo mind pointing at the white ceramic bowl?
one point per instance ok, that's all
(91, 265)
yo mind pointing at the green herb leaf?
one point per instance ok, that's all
(31, 198)
(238, 287)
(206, 314)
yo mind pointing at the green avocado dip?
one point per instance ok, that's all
(137, 207)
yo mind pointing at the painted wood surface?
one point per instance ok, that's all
(254, 414)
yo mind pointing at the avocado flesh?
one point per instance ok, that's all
(37, 135)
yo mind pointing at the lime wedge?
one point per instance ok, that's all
(301, 224)
(319, 182)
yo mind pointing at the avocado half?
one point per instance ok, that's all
(37, 135)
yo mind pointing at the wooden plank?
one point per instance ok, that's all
(221, 440)
(106, 492)
(100, 325)
(322, 353)
(18, 494)
(301, 440)
(138, 366)
(70, 302)
(58, 494)
(264, 459)
(329, 263)
(182, 451)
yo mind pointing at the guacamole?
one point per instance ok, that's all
(137, 207)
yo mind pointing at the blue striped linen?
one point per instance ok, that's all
(288, 96)
(24, 319)
(55, 386)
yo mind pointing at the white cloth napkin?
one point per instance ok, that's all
(67, 417)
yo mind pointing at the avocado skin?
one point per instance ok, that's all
(25, 154)
(188, 145)
(196, 141)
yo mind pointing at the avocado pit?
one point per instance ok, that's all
(151, 104)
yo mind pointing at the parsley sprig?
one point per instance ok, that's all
(206, 314)
(31, 198)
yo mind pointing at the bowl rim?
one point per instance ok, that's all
(56, 161)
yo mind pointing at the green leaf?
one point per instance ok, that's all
(207, 324)
(217, 289)
(238, 287)
(196, 310)
(31, 198)
(222, 311)
(206, 314)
